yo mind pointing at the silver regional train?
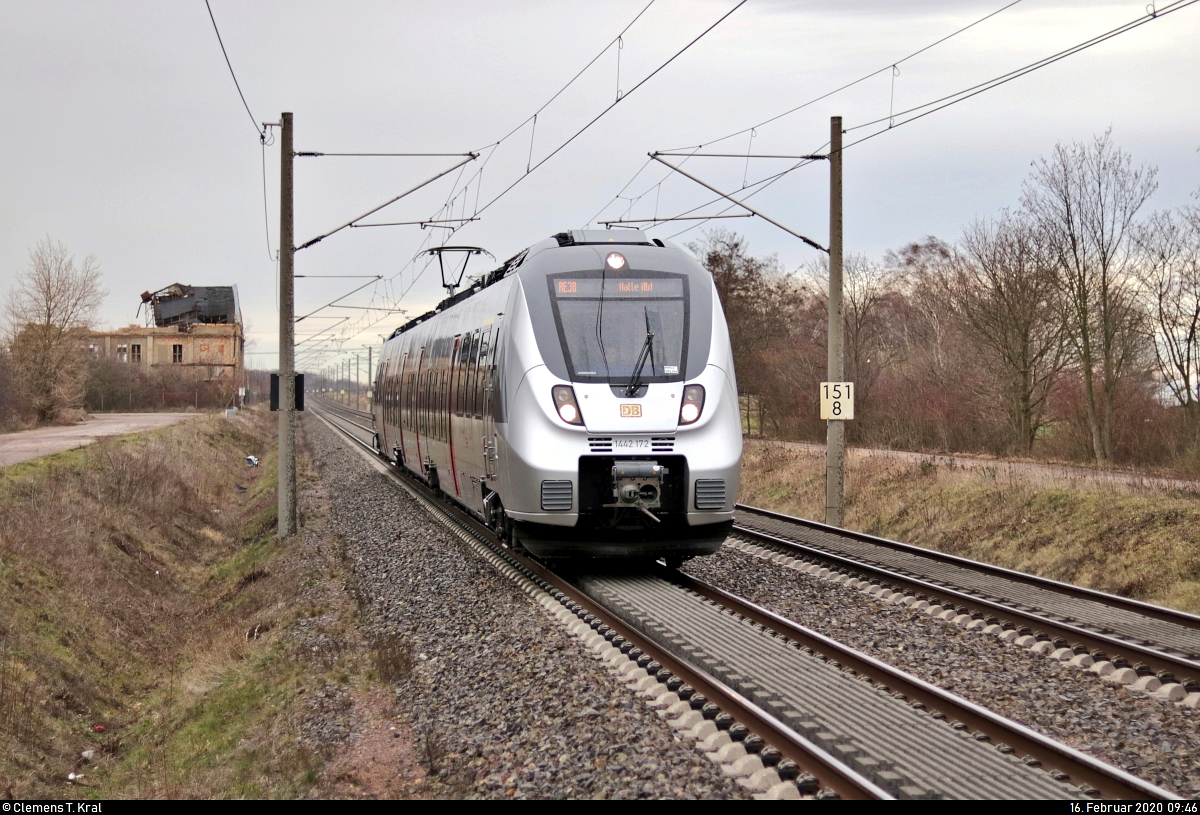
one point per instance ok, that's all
(580, 400)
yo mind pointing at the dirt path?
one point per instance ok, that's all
(30, 444)
(1038, 472)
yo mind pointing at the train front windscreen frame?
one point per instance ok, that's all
(605, 322)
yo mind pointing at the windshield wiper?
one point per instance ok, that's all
(636, 382)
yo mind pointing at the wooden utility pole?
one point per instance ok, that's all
(287, 525)
(835, 438)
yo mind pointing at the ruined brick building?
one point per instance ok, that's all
(194, 329)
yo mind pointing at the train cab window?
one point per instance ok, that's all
(606, 322)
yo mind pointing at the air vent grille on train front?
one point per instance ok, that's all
(662, 444)
(600, 444)
(710, 493)
(556, 495)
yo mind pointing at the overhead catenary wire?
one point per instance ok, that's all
(315, 154)
(861, 79)
(995, 82)
(266, 220)
(752, 128)
(582, 70)
(479, 209)
(389, 202)
(260, 132)
(920, 111)
(761, 184)
(221, 42)
(742, 204)
(616, 102)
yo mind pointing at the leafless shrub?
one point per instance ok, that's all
(17, 711)
(393, 657)
(433, 751)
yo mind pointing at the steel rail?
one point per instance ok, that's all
(349, 412)
(1182, 666)
(831, 772)
(1082, 769)
(1079, 592)
(1112, 782)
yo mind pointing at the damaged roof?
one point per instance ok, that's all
(179, 304)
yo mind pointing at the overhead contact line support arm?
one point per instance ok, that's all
(470, 157)
(658, 157)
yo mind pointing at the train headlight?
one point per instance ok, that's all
(615, 261)
(565, 404)
(693, 404)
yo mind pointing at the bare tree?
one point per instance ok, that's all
(758, 299)
(1084, 198)
(937, 386)
(868, 294)
(48, 312)
(1002, 291)
(1169, 271)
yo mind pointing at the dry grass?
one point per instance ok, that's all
(1132, 540)
(392, 655)
(140, 604)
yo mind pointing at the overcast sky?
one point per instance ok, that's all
(124, 137)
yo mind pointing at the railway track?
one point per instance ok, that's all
(772, 699)
(1147, 640)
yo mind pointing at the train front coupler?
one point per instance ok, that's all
(638, 485)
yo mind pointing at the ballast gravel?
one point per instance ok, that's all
(1154, 739)
(502, 701)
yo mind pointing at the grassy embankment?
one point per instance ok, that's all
(143, 598)
(1135, 541)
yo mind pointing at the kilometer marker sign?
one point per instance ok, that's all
(837, 401)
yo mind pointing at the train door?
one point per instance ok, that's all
(488, 376)
(468, 456)
(419, 411)
(381, 408)
(451, 400)
(399, 393)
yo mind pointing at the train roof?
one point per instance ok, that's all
(573, 237)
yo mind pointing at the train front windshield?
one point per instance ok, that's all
(609, 324)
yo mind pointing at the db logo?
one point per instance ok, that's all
(631, 411)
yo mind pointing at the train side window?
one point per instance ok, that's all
(410, 402)
(405, 390)
(469, 401)
(455, 375)
(464, 378)
(425, 406)
(441, 404)
(459, 363)
(455, 407)
(497, 395)
(444, 407)
(481, 378)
